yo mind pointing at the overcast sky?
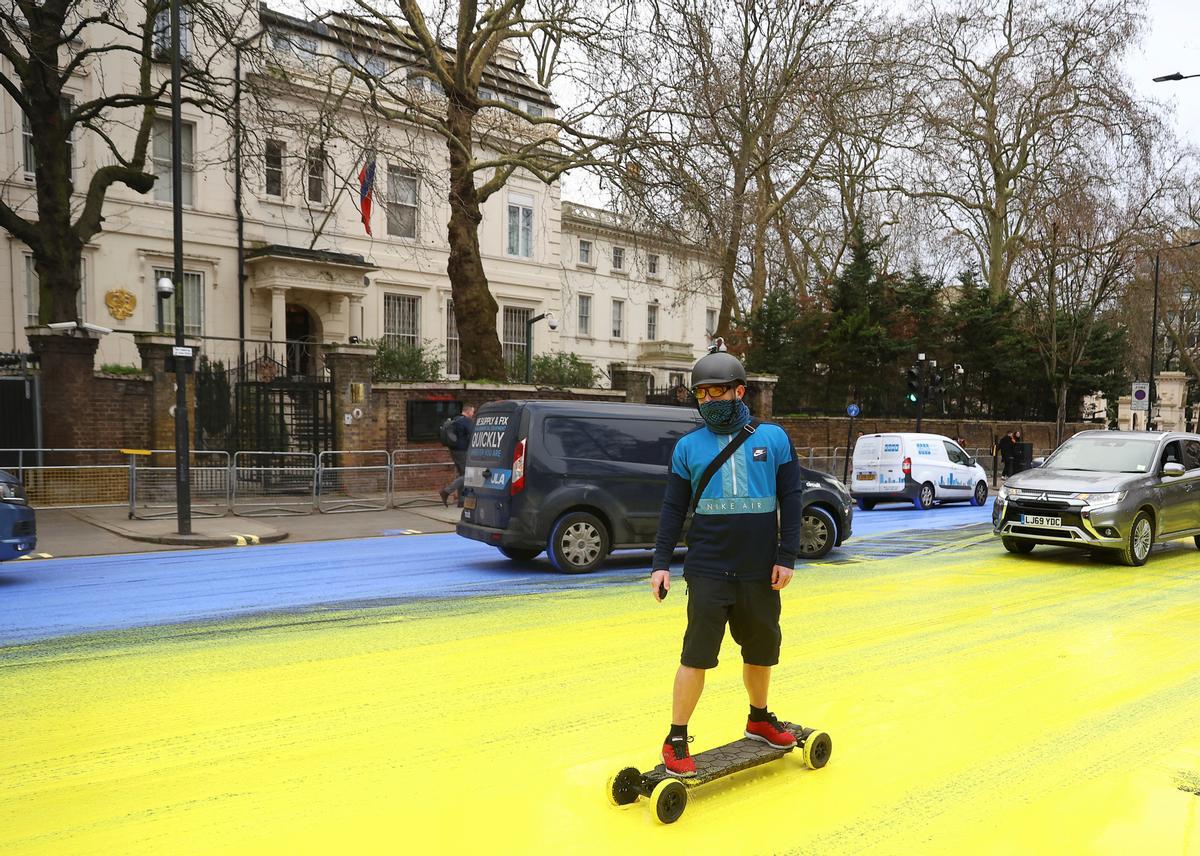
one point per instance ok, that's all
(1172, 43)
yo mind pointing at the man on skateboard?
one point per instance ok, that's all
(742, 547)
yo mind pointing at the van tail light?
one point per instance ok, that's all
(908, 466)
(518, 468)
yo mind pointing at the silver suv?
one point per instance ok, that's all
(1112, 492)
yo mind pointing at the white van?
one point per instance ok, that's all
(916, 468)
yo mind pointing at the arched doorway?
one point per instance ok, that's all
(301, 337)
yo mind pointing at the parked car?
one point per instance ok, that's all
(18, 528)
(1114, 493)
(917, 468)
(580, 479)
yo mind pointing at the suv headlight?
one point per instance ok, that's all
(1102, 500)
(1006, 493)
(10, 492)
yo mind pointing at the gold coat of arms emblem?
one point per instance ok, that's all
(120, 303)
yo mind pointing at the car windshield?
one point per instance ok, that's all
(1104, 455)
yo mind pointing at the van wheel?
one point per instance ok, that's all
(521, 554)
(869, 505)
(578, 543)
(1136, 549)
(1017, 545)
(818, 532)
(924, 499)
(979, 497)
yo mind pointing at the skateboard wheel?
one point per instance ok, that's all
(620, 789)
(669, 800)
(817, 749)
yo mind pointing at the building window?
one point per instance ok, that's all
(30, 156)
(162, 161)
(515, 341)
(585, 315)
(618, 319)
(652, 322)
(33, 294)
(162, 32)
(273, 167)
(193, 303)
(585, 252)
(652, 264)
(316, 174)
(534, 110)
(618, 258)
(710, 321)
(452, 350)
(401, 320)
(401, 203)
(520, 225)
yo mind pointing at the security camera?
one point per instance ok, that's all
(96, 328)
(552, 322)
(63, 325)
(164, 287)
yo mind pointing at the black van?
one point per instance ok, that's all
(580, 479)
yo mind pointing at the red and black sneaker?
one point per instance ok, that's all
(771, 732)
(676, 757)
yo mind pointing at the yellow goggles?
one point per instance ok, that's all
(716, 391)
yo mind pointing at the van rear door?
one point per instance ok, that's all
(865, 475)
(487, 482)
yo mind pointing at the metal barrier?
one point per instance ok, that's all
(73, 478)
(269, 484)
(354, 481)
(152, 484)
(423, 469)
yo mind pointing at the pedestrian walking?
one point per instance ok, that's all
(458, 441)
(1005, 450)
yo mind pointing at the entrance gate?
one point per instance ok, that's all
(20, 404)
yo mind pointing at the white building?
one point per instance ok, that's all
(312, 272)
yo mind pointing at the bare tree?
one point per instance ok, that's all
(1086, 246)
(49, 46)
(1007, 98)
(459, 79)
(748, 100)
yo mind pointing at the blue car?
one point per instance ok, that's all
(18, 531)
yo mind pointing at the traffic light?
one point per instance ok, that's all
(914, 384)
(935, 384)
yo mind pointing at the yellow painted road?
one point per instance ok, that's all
(978, 703)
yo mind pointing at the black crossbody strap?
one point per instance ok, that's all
(719, 461)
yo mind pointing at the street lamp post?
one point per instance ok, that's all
(552, 323)
(1154, 327)
(1175, 76)
(183, 493)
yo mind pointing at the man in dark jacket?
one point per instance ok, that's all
(742, 547)
(1005, 450)
(463, 425)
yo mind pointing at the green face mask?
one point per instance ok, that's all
(718, 414)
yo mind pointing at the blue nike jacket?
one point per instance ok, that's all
(747, 519)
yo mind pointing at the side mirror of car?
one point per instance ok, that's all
(1173, 470)
(1037, 462)
(971, 462)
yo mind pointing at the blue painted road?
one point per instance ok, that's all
(62, 597)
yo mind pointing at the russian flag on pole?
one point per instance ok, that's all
(366, 181)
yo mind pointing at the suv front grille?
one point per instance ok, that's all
(23, 528)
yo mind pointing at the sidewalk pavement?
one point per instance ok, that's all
(109, 531)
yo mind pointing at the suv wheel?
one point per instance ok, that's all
(924, 500)
(818, 532)
(1136, 549)
(578, 543)
(521, 554)
(979, 497)
(1017, 545)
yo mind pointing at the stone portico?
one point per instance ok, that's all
(305, 296)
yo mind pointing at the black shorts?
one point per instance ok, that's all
(751, 607)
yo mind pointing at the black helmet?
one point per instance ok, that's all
(718, 366)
